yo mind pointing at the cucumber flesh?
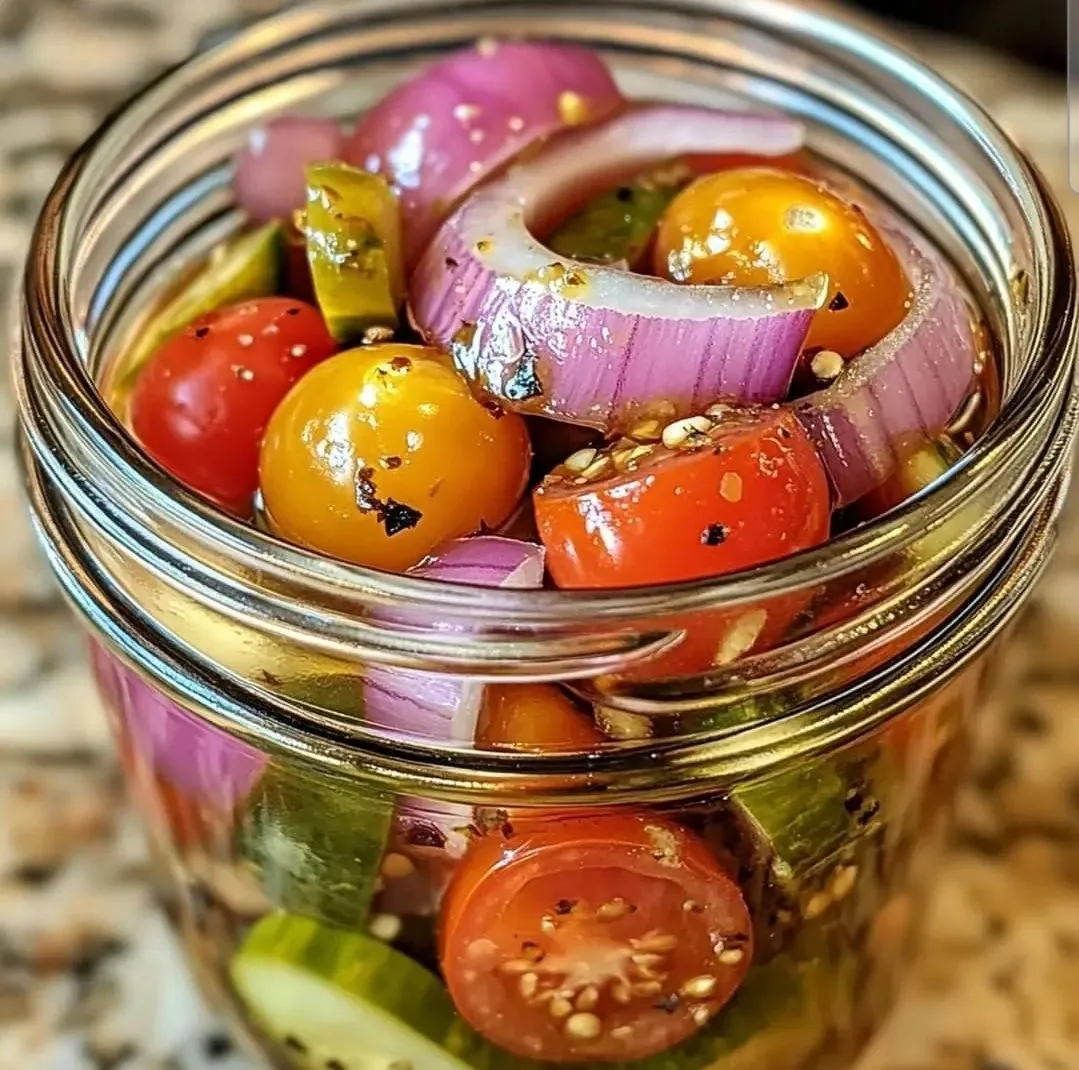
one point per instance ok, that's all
(316, 843)
(342, 999)
(353, 230)
(248, 266)
(617, 225)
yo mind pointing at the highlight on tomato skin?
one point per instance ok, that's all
(758, 226)
(201, 405)
(704, 496)
(605, 937)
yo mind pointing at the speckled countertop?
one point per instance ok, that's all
(89, 975)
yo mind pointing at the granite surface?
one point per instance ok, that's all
(89, 975)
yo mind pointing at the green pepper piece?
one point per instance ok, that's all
(316, 843)
(617, 225)
(353, 231)
(248, 266)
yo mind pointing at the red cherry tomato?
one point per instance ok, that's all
(201, 405)
(606, 937)
(744, 488)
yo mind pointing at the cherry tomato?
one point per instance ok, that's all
(534, 717)
(604, 937)
(760, 226)
(707, 163)
(202, 403)
(739, 489)
(381, 454)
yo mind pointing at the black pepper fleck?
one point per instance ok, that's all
(36, 875)
(839, 302)
(201, 332)
(294, 311)
(400, 364)
(565, 906)
(669, 1004)
(451, 263)
(625, 193)
(714, 535)
(217, 1045)
(397, 517)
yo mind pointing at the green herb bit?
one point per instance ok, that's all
(353, 231)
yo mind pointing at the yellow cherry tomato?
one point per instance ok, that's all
(380, 454)
(759, 226)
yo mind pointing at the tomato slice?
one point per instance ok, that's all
(604, 937)
(738, 488)
(535, 717)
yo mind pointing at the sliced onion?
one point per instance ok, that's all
(446, 708)
(592, 344)
(906, 387)
(269, 181)
(439, 134)
(203, 762)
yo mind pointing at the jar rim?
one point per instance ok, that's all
(51, 318)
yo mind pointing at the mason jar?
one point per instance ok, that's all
(323, 869)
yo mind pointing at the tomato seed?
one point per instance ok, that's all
(579, 461)
(696, 987)
(560, 1008)
(700, 1013)
(616, 908)
(620, 992)
(588, 999)
(646, 989)
(584, 1026)
(513, 966)
(731, 957)
(622, 1032)
(641, 959)
(661, 942)
(528, 985)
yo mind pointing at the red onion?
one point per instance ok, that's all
(910, 384)
(269, 181)
(439, 134)
(591, 344)
(201, 761)
(435, 706)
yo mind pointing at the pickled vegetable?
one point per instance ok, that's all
(353, 231)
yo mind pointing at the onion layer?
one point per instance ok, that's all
(590, 344)
(269, 181)
(906, 387)
(436, 136)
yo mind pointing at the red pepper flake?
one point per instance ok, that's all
(565, 906)
(400, 364)
(391, 463)
(397, 517)
(839, 302)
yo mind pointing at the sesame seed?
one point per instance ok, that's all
(584, 1026)
(680, 431)
(731, 956)
(579, 461)
(614, 909)
(730, 487)
(843, 881)
(298, 351)
(528, 984)
(245, 340)
(395, 866)
(588, 999)
(696, 987)
(816, 906)
(560, 1008)
(385, 927)
(661, 942)
(826, 365)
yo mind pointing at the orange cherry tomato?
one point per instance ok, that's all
(533, 717)
(761, 226)
(201, 405)
(746, 488)
(605, 937)
(381, 454)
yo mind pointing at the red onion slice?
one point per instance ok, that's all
(269, 181)
(434, 706)
(439, 134)
(591, 344)
(910, 384)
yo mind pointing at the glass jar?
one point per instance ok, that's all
(323, 868)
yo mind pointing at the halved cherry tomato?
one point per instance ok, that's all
(533, 717)
(382, 453)
(201, 405)
(606, 937)
(742, 488)
(757, 226)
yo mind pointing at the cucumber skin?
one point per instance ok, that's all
(316, 847)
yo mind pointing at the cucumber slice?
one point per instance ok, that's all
(316, 843)
(353, 230)
(248, 266)
(341, 999)
(617, 225)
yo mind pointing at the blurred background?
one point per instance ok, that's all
(89, 976)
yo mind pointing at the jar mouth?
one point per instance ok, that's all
(1035, 325)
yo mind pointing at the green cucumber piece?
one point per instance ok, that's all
(316, 843)
(248, 266)
(342, 999)
(353, 230)
(617, 225)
